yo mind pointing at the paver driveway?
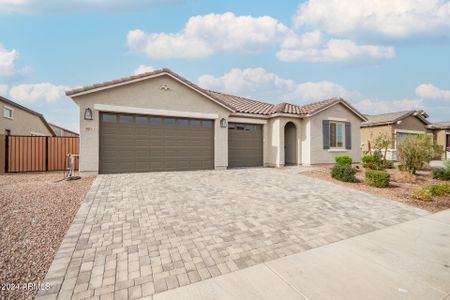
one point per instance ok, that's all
(140, 234)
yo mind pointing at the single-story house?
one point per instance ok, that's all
(20, 120)
(401, 125)
(160, 121)
(441, 132)
(63, 132)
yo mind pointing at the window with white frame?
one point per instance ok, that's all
(8, 112)
(337, 134)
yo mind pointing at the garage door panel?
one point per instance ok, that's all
(131, 143)
(245, 145)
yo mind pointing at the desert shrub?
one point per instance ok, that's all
(344, 160)
(377, 178)
(388, 164)
(441, 174)
(422, 194)
(416, 152)
(343, 173)
(439, 189)
(372, 162)
(404, 177)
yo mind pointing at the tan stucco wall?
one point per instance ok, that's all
(148, 95)
(441, 136)
(411, 123)
(23, 123)
(371, 133)
(314, 136)
(274, 155)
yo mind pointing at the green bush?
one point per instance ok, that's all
(439, 189)
(344, 160)
(343, 173)
(372, 162)
(377, 178)
(417, 151)
(388, 164)
(441, 173)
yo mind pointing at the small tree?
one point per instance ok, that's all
(417, 151)
(381, 145)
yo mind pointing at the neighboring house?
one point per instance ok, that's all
(160, 121)
(441, 132)
(396, 125)
(19, 120)
(60, 131)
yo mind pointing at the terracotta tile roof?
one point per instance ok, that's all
(392, 117)
(234, 103)
(241, 104)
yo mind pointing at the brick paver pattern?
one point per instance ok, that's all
(140, 234)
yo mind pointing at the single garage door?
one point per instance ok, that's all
(135, 143)
(245, 145)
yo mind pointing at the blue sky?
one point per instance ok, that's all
(379, 56)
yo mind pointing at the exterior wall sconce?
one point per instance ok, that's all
(223, 123)
(88, 114)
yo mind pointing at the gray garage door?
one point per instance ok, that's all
(245, 145)
(134, 143)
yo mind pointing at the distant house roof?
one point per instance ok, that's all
(235, 104)
(440, 125)
(62, 128)
(393, 117)
(17, 105)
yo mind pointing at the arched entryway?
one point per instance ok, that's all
(290, 144)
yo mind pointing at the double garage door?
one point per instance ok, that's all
(134, 143)
(139, 143)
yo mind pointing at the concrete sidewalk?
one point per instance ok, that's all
(406, 261)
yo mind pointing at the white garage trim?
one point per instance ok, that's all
(246, 120)
(409, 131)
(155, 112)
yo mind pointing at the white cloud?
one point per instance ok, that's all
(370, 106)
(206, 35)
(29, 93)
(312, 47)
(3, 89)
(45, 6)
(429, 91)
(253, 81)
(143, 69)
(398, 18)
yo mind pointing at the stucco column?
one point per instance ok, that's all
(220, 145)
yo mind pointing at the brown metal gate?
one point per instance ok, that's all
(38, 153)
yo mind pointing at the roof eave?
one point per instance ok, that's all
(340, 101)
(163, 72)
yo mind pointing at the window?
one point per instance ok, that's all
(7, 131)
(141, 120)
(195, 123)
(337, 135)
(125, 119)
(155, 121)
(231, 126)
(183, 122)
(109, 118)
(8, 112)
(206, 124)
(169, 121)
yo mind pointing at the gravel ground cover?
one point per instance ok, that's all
(397, 191)
(35, 212)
